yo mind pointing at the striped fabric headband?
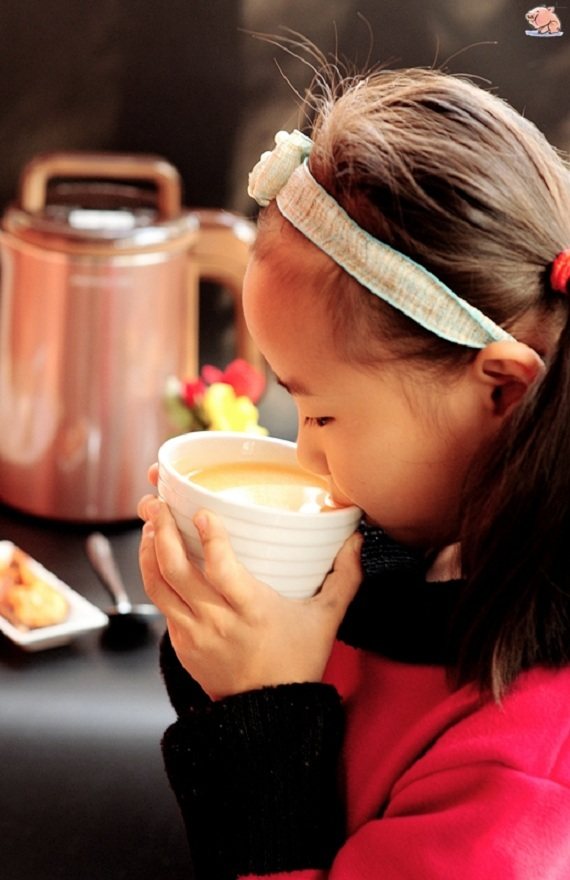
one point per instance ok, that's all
(283, 174)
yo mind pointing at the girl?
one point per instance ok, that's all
(409, 286)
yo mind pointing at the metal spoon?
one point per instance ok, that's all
(101, 557)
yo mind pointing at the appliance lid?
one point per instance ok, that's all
(100, 202)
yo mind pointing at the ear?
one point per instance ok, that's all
(505, 371)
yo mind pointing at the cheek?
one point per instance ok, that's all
(389, 479)
(353, 476)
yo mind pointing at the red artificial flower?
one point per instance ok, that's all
(243, 378)
(192, 391)
(211, 374)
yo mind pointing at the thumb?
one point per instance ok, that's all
(341, 585)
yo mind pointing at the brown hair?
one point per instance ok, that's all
(452, 176)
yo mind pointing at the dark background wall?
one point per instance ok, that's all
(185, 78)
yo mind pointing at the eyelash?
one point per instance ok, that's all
(319, 422)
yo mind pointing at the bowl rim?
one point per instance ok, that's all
(348, 512)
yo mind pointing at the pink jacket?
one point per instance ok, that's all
(466, 791)
(381, 772)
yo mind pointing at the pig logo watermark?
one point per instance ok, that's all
(544, 22)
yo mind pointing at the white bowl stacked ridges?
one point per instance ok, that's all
(288, 550)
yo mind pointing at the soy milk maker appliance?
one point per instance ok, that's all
(98, 307)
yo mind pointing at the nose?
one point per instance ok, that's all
(310, 453)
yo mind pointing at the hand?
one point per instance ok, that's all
(231, 632)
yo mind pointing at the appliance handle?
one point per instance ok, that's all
(112, 166)
(220, 254)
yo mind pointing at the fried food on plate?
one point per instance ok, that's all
(26, 600)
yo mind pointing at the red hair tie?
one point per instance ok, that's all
(560, 272)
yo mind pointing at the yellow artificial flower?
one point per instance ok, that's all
(225, 411)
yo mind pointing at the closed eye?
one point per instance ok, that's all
(318, 422)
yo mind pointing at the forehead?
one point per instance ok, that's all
(274, 290)
(360, 325)
(288, 319)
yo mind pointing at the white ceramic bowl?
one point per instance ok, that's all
(291, 551)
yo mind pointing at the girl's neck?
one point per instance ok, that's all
(446, 564)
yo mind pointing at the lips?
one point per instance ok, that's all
(337, 497)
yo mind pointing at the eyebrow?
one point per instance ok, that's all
(294, 387)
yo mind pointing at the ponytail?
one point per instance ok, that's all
(514, 612)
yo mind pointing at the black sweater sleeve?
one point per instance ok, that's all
(255, 775)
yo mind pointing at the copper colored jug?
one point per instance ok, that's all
(100, 267)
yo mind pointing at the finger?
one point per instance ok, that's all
(179, 610)
(222, 569)
(180, 572)
(153, 474)
(174, 565)
(146, 509)
(341, 585)
(157, 589)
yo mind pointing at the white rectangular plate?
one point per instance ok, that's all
(83, 616)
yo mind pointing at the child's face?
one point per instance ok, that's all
(393, 443)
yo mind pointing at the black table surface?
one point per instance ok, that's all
(83, 793)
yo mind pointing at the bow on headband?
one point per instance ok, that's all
(276, 166)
